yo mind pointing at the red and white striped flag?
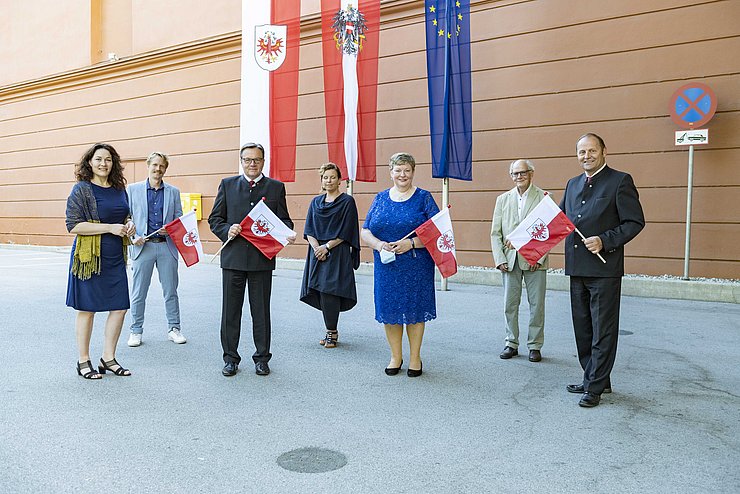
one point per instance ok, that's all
(351, 32)
(269, 102)
(184, 233)
(265, 230)
(436, 233)
(543, 228)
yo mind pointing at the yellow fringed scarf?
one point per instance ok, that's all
(86, 260)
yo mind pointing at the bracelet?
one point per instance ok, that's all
(412, 243)
(327, 246)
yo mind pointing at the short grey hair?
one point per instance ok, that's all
(252, 145)
(530, 165)
(399, 158)
(157, 154)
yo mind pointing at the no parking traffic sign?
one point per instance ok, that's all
(693, 105)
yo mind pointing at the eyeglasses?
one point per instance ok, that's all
(256, 161)
(520, 174)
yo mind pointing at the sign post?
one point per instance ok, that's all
(692, 105)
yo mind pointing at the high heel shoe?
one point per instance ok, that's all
(392, 371)
(330, 340)
(120, 371)
(89, 373)
(415, 373)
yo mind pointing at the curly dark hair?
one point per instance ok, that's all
(83, 169)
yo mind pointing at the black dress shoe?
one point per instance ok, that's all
(509, 352)
(261, 368)
(392, 371)
(589, 400)
(230, 369)
(415, 373)
(578, 388)
(535, 356)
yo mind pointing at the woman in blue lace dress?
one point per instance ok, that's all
(403, 269)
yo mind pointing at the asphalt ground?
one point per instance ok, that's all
(472, 422)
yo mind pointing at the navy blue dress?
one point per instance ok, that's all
(404, 288)
(108, 290)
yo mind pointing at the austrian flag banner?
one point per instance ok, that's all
(436, 233)
(543, 228)
(263, 229)
(184, 233)
(350, 43)
(271, 32)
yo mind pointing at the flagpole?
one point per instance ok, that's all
(221, 248)
(584, 239)
(350, 187)
(445, 203)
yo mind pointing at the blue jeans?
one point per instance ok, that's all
(159, 255)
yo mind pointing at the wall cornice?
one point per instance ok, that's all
(218, 47)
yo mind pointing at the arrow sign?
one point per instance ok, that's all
(693, 105)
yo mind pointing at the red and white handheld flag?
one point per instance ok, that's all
(436, 233)
(184, 233)
(350, 54)
(265, 230)
(543, 228)
(269, 89)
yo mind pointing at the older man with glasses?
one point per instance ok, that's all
(511, 208)
(243, 265)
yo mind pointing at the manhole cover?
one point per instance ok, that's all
(625, 332)
(312, 460)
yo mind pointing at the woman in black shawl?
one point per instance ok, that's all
(333, 234)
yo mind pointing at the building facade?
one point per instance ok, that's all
(165, 75)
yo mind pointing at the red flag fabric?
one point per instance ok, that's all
(436, 233)
(265, 230)
(350, 41)
(269, 89)
(184, 233)
(543, 228)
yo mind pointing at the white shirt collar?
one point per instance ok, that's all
(597, 171)
(255, 180)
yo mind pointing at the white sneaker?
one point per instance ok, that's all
(134, 339)
(176, 336)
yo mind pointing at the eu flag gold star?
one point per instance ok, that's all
(457, 4)
(434, 22)
(432, 9)
(441, 32)
(459, 16)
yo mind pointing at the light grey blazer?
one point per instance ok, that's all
(140, 212)
(505, 221)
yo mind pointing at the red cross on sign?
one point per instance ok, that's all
(693, 105)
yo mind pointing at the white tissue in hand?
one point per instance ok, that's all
(387, 256)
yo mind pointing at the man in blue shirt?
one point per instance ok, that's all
(153, 204)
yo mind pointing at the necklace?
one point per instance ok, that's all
(401, 196)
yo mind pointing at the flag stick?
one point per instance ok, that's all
(150, 235)
(445, 203)
(221, 248)
(350, 188)
(584, 239)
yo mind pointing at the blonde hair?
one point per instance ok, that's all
(329, 166)
(157, 154)
(399, 158)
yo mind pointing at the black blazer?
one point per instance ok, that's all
(608, 207)
(234, 200)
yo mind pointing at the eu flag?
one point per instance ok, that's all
(448, 76)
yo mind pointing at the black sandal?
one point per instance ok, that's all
(120, 371)
(89, 373)
(330, 339)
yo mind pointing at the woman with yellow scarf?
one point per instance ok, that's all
(98, 213)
